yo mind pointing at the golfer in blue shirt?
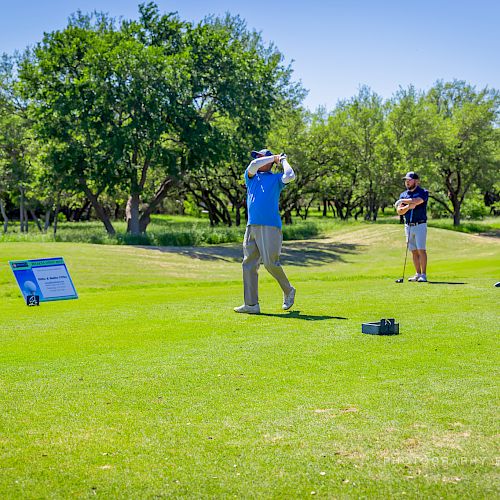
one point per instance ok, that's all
(263, 236)
(412, 204)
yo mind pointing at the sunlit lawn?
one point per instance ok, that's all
(150, 386)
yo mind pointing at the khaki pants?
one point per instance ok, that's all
(262, 242)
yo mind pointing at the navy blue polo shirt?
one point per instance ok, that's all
(419, 213)
(263, 194)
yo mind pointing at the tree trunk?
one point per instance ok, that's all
(78, 213)
(331, 206)
(132, 212)
(89, 212)
(21, 210)
(47, 220)
(456, 213)
(238, 216)
(160, 195)
(117, 211)
(453, 194)
(99, 209)
(26, 226)
(5, 218)
(56, 213)
(37, 220)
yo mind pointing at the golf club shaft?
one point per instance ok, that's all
(406, 253)
(407, 243)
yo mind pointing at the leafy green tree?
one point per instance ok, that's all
(462, 152)
(243, 86)
(330, 150)
(367, 147)
(154, 95)
(68, 108)
(18, 148)
(350, 145)
(290, 133)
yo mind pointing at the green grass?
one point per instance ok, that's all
(488, 226)
(163, 231)
(149, 386)
(168, 230)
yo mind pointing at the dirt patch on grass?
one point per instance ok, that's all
(453, 440)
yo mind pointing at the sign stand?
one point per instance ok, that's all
(33, 300)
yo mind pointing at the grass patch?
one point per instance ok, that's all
(150, 386)
(163, 231)
(489, 226)
(191, 231)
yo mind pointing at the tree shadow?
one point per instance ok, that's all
(298, 253)
(297, 315)
(446, 283)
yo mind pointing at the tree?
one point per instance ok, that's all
(153, 95)
(462, 151)
(290, 133)
(242, 86)
(350, 144)
(338, 186)
(18, 149)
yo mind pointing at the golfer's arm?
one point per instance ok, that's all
(413, 202)
(257, 163)
(288, 173)
(402, 209)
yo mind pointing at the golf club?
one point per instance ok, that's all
(401, 280)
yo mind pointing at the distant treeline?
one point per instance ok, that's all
(120, 120)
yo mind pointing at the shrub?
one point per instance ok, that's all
(473, 207)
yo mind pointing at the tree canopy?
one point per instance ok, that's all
(120, 117)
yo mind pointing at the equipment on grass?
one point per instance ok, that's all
(382, 327)
(497, 284)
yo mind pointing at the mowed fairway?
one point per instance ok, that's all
(150, 386)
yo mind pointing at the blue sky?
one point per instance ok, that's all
(336, 45)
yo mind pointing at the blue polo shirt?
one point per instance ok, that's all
(263, 195)
(420, 211)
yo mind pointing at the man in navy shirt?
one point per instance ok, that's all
(412, 204)
(263, 236)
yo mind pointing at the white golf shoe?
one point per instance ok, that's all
(414, 278)
(289, 299)
(248, 309)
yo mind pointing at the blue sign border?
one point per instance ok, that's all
(23, 273)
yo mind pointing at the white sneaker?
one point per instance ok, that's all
(422, 278)
(414, 278)
(289, 299)
(248, 309)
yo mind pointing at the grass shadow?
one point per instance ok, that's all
(446, 283)
(478, 227)
(297, 315)
(298, 253)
